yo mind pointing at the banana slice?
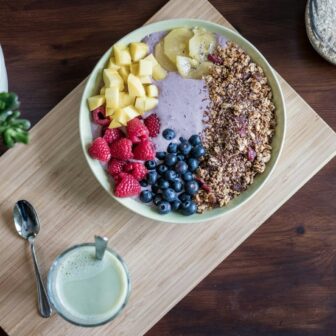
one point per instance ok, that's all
(190, 68)
(201, 45)
(176, 43)
(162, 58)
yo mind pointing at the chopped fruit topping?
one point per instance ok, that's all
(153, 124)
(126, 99)
(135, 87)
(152, 91)
(127, 186)
(138, 51)
(215, 59)
(109, 111)
(122, 55)
(115, 167)
(112, 78)
(112, 134)
(122, 149)
(102, 91)
(98, 116)
(169, 134)
(145, 67)
(136, 169)
(158, 72)
(137, 131)
(144, 151)
(145, 79)
(114, 124)
(100, 150)
(144, 104)
(96, 101)
(134, 68)
(112, 64)
(201, 44)
(124, 72)
(161, 57)
(112, 97)
(251, 154)
(151, 58)
(125, 114)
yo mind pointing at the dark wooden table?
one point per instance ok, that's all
(282, 280)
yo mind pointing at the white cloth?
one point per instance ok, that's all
(3, 73)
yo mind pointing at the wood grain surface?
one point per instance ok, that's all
(281, 281)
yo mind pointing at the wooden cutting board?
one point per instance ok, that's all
(166, 261)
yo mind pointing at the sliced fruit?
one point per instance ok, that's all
(124, 71)
(140, 103)
(120, 117)
(151, 103)
(201, 45)
(122, 55)
(102, 91)
(112, 96)
(126, 99)
(151, 58)
(145, 67)
(114, 124)
(145, 79)
(190, 68)
(134, 68)
(112, 64)
(112, 78)
(144, 104)
(135, 87)
(130, 113)
(109, 111)
(152, 91)
(176, 43)
(138, 50)
(158, 72)
(161, 57)
(96, 101)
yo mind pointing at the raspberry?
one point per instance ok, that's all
(112, 134)
(215, 59)
(137, 131)
(98, 116)
(122, 149)
(153, 124)
(144, 151)
(115, 167)
(100, 150)
(126, 186)
(137, 169)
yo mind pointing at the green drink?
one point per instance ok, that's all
(87, 291)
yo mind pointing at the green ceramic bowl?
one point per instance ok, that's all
(92, 87)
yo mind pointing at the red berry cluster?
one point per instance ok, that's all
(120, 150)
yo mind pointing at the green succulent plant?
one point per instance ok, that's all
(12, 128)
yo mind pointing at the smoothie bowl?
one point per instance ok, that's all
(182, 120)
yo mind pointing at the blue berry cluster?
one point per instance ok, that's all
(170, 177)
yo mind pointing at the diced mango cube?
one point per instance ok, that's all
(151, 58)
(96, 101)
(151, 103)
(109, 111)
(120, 117)
(130, 112)
(122, 55)
(140, 104)
(138, 50)
(158, 72)
(134, 68)
(112, 65)
(124, 72)
(126, 99)
(145, 79)
(135, 87)
(112, 96)
(102, 91)
(145, 67)
(114, 124)
(112, 78)
(152, 91)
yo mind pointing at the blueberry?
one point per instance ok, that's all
(152, 176)
(170, 160)
(164, 207)
(188, 176)
(198, 151)
(144, 183)
(193, 164)
(161, 155)
(162, 183)
(191, 187)
(161, 169)
(150, 165)
(181, 167)
(175, 204)
(157, 199)
(184, 148)
(182, 139)
(188, 208)
(184, 197)
(180, 157)
(155, 188)
(195, 140)
(169, 134)
(177, 185)
(146, 196)
(170, 175)
(168, 194)
(172, 147)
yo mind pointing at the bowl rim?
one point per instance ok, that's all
(174, 217)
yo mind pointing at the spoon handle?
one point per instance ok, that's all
(42, 298)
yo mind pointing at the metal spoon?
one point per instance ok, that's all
(27, 225)
(101, 244)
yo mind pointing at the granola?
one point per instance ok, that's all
(240, 124)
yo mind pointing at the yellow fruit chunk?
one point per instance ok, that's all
(112, 96)
(124, 72)
(161, 57)
(145, 79)
(190, 68)
(114, 124)
(112, 78)
(201, 45)
(134, 68)
(95, 101)
(109, 111)
(135, 87)
(126, 99)
(152, 91)
(151, 103)
(158, 72)
(102, 91)
(151, 58)
(112, 65)
(144, 104)
(145, 68)
(125, 114)
(176, 43)
(138, 50)
(122, 55)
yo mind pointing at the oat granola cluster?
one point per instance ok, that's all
(240, 126)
